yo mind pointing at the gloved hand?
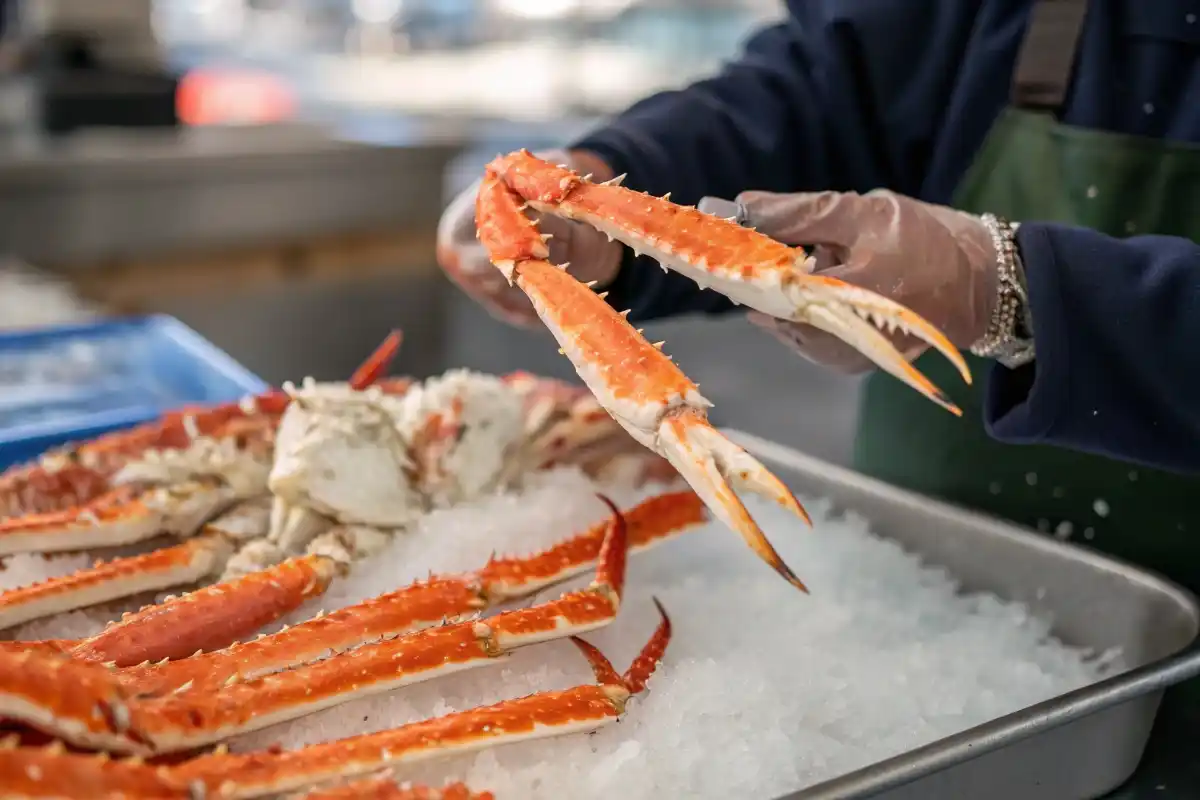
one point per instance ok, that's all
(937, 261)
(592, 257)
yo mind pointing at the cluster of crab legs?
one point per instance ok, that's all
(414, 634)
(137, 710)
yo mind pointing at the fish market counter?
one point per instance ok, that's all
(97, 198)
(242, 233)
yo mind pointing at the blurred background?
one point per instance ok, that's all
(272, 172)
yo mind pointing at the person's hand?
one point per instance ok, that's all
(937, 261)
(590, 253)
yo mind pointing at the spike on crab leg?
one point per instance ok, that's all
(537, 716)
(748, 267)
(640, 387)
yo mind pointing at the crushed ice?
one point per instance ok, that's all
(788, 690)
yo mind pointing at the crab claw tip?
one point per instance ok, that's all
(709, 462)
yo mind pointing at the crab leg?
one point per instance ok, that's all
(172, 566)
(537, 716)
(41, 688)
(125, 515)
(748, 267)
(418, 606)
(51, 772)
(643, 390)
(208, 618)
(193, 719)
(37, 490)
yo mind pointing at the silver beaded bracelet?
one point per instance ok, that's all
(1009, 336)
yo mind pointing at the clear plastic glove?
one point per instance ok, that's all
(937, 261)
(592, 257)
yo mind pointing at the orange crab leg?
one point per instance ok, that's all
(52, 773)
(36, 490)
(193, 719)
(643, 390)
(208, 618)
(420, 605)
(121, 577)
(124, 515)
(751, 269)
(375, 367)
(30, 773)
(536, 716)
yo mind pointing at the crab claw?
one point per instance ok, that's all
(710, 463)
(859, 318)
(638, 385)
(748, 267)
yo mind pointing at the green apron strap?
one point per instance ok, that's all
(1047, 55)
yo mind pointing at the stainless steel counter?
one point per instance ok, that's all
(112, 196)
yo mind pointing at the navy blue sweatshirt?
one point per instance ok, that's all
(851, 95)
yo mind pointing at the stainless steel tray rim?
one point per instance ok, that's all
(1102, 561)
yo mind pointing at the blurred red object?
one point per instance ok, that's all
(228, 96)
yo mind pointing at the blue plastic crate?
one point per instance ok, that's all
(70, 383)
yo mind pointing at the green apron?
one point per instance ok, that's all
(1032, 167)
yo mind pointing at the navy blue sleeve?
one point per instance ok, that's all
(1117, 329)
(833, 98)
(749, 126)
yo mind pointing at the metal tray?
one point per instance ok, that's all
(1079, 745)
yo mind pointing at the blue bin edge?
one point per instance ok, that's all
(25, 442)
